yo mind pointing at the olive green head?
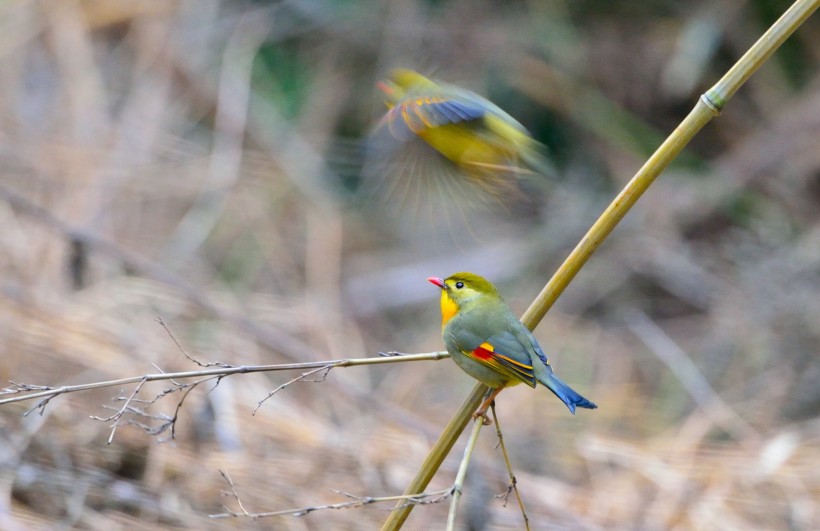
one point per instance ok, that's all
(410, 80)
(403, 83)
(462, 288)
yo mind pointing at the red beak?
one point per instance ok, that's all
(384, 87)
(437, 281)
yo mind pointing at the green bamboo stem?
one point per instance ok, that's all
(623, 202)
(708, 106)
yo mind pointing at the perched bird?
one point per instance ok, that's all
(486, 145)
(490, 344)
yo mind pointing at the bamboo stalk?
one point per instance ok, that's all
(708, 106)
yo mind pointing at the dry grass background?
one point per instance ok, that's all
(197, 161)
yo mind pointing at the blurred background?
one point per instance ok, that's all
(200, 162)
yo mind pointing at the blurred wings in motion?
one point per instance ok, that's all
(440, 146)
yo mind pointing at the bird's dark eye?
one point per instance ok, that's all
(459, 285)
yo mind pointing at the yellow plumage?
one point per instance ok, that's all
(486, 145)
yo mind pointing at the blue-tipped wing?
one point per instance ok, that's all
(413, 115)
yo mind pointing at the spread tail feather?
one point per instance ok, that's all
(567, 395)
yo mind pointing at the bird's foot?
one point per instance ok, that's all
(485, 405)
(482, 413)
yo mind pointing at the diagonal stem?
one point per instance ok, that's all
(458, 485)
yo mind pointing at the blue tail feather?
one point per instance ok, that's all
(567, 394)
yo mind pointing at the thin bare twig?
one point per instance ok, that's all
(46, 392)
(233, 494)
(462, 473)
(173, 421)
(167, 421)
(116, 417)
(357, 501)
(27, 391)
(185, 353)
(513, 485)
(300, 378)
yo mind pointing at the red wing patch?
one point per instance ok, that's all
(486, 354)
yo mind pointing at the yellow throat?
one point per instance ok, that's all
(448, 308)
